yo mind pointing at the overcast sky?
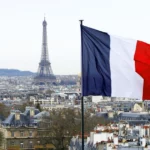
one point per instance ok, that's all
(21, 29)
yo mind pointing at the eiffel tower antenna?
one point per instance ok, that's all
(45, 74)
(44, 16)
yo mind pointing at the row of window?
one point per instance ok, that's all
(30, 144)
(128, 118)
(21, 133)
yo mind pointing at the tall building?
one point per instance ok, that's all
(45, 74)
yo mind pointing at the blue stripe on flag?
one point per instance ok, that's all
(96, 76)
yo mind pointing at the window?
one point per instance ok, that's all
(12, 133)
(21, 145)
(30, 144)
(21, 133)
(30, 133)
(146, 132)
(12, 143)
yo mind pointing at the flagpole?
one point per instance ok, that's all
(82, 98)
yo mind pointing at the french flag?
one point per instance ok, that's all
(114, 66)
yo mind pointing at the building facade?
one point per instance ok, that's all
(21, 130)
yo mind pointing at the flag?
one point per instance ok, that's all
(114, 66)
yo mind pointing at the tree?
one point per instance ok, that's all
(4, 110)
(49, 92)
(1, 138)
(63, 124)
(23, 106)
(91, 122)
(38, 106)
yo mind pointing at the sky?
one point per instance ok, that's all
(21, 29)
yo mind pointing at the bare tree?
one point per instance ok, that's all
(63, 124)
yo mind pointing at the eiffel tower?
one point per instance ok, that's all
(45, 74)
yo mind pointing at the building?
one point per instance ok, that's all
(114, 136)
(21, 130)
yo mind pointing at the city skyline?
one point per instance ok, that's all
(21, 29)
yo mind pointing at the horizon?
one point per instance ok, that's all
(36, 72)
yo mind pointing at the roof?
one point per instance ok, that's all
(135, 115)
(41, 114)
(24, 118)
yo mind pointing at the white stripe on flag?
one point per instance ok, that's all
(125, 82)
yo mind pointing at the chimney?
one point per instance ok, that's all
(16, 113)
(115, 140)
(143, 142)
(110, 114)
(32, 112)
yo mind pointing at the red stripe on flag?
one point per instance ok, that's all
(142, 66)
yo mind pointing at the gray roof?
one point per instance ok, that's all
(137, 122)
(25, 118)
(129, 115)
(41, 114)
(130, 148)
(12, 121)
(134, 115)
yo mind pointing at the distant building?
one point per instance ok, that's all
(138, 107)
